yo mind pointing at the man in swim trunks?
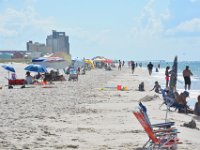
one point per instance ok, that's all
(186, 75)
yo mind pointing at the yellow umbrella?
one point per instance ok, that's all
(90, 62)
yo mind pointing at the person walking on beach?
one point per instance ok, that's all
(167, 75)
(132, 66)
(123, 63)
(186, 75)
(120, 65)
(150, 68)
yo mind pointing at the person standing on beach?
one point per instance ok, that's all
(197, 107)
(186, 75)
(167, 76)
(123, 63)
(150, 68)
(120, 65)
(132, 66)
(158, 66)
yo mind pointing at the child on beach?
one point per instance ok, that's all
(197, 107)
(157, 87)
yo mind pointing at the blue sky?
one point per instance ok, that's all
(118, 29)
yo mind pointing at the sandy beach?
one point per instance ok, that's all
(88, 115)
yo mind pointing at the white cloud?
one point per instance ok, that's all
(98, 37)
(15, 21)
(189, 26)
(149, 24)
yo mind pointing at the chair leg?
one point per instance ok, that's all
(146, 143)
(161, 105)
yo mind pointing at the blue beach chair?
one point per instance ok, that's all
(170, 102)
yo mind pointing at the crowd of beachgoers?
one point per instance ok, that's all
(92, 108)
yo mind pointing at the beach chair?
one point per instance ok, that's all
(170, 102)
(73, 75)
(161, 136)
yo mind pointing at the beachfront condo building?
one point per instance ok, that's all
(58, 41)
(38, 47)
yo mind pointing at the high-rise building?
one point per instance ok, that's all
(58, 41)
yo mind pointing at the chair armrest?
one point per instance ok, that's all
(164, 125)
(165, 130)
(167, 133)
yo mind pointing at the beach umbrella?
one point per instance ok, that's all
(90, 62)
(8, 68)
(108, 61)
(51, 62)
(173, 78)
(41, 59)
(36, 68)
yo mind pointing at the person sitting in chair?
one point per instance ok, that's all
(29, 78)
(181, 101)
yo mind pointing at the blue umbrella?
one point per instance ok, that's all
(36, 68)
(8, 68)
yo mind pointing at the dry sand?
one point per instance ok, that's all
(89, 114)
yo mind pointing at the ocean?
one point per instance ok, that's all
(194, 66)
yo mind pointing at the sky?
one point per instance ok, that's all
(116, 29)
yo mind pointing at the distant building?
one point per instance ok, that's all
(38, 47)
(58, 41)
(12, 54)
(18, 55)
(5, 55)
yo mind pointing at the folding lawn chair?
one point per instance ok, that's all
(161, 136)
(170, 102)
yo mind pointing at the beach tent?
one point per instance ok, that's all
(99, 61)
(78, 63)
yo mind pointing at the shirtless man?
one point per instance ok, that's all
(181, 100)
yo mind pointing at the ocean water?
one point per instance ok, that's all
(194, 66)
